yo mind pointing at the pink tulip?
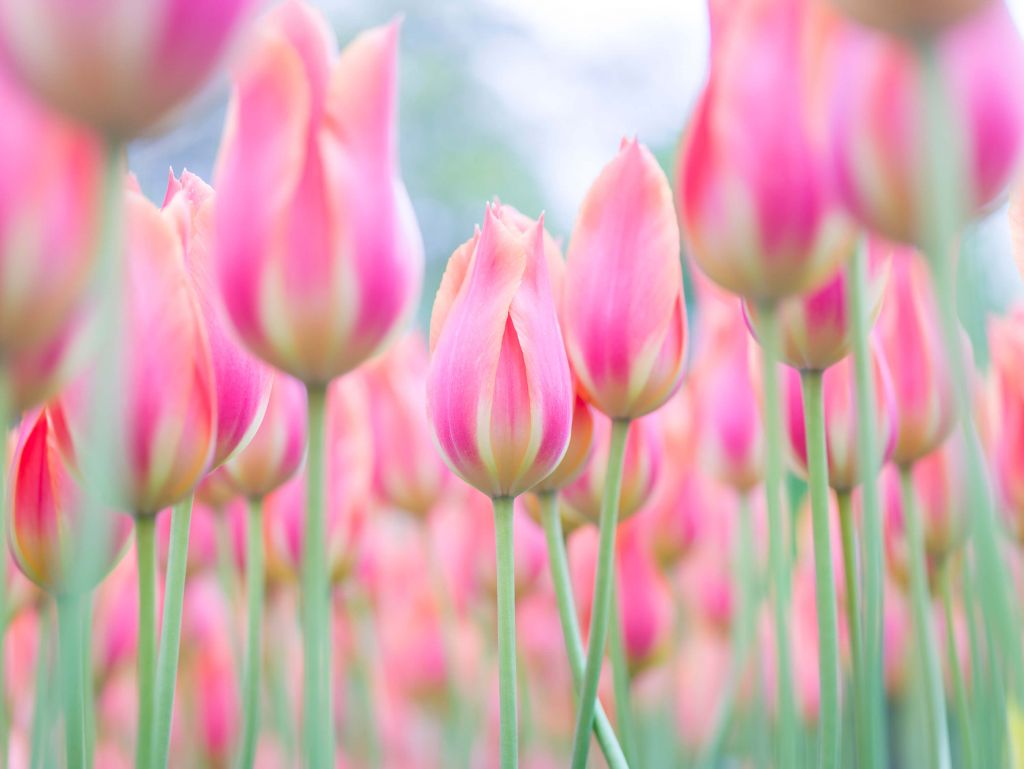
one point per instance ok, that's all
(241, 382)
(48, 223)
(757, 208)
(1006, 344)
(645, 599)
(577, 454)
(702, 675)
(37, 375)
(873, 90)
(121, 65)
(624, 314)
(499, 392)
(278, 447)
(166, 409)
(319, 255)
(116, 621)
(217, 489)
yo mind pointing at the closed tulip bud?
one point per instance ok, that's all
(499, 391)
(911, 17)
(43, 527)
(49, 207)
(278, 447)
(757, 207)
(319, 254)
(624, 313)
(241, 382)
(640, 470)
(1006, 344)
(120, 65)
(911, 341)
(166, 409)
(839, 390)
(578, 452)
(816, 327)
(873, 95)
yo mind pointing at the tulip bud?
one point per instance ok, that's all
(216, 490)
(119, 65)
(241, 382)
(624, 314)
(910, 337)
(757, 207)
(44, 528)
(873, 93)
(319, 255)
(578, 452)
(278, 447)
(911, 17)
(499, 392)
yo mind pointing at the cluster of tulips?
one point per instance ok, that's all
(776, 522)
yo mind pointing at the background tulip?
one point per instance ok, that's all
(1006, 344)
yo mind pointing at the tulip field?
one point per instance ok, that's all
(729, 474)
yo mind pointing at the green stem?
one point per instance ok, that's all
(506, 577)
(872, 694)
(921, 605)
(170, 629)
(69, 620)
(980, 671)
(777, 536)
(41, 699)
(601, 605)
(861, 716)
(828, 633)
(317, 721)
(145, 552)
(621, 682)
(88, 685)
(228, 579)
(552, 520)
(255, 574)
(962, 710)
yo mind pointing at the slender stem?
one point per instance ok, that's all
(921, 607)
(861, 716)
(601, 605)
(88, 685)
(570, 629)
(69, 619)
(778, 525)
(41, 699)
(980, 671)
(828, 631)
(963, 714)
(872, 694)
(145, 553)
(506, 575)
(170, 630)
(317, 721)
(621, 682)
(254, 587)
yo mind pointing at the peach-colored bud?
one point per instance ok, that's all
(217, 490)
(911, 17)
(120, 65)
(318, 250)
(499, 391)
(641, 466)
(624, 315)
(578, 452)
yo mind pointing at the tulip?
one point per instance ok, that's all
(318, 252)
(35, 376)
(911, 17)
(120, 66)
(874, 88)
(216, 490)
(645, 600)
(1006, 344)
(577, 455)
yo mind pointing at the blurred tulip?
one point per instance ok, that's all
(911, 340)
(911, 17)
(499, 392)
(49, 209)
(43, 528)
(319, 255)
(217, 489)
(120, 65)
(241, 382)
(166, 409)
(278, 447)
(872, 88)
(35, 376)
(645, 600)
(757, 208)
(839, 389)
(675, 513)
(702, 679)
(116, 621)
(577, 454)
(1006, 345)
(624, 313)
(1016, 216)
(640, 470)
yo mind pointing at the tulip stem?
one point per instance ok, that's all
(506, 578)
(861, 717)
(921, 607)
(621, 681)
(69, 620)
(145, 553)
(254, 585)
(778, 525)
(170, 629)
(870, 678)
(963, 714)
(603, 583)
(317, 721)
(552, 520)
(41, 695)
(828, 631)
